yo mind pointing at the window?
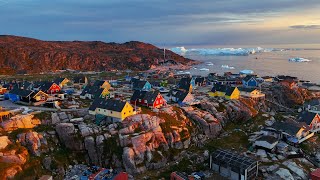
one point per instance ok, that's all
(124, 113)
(57, 90)
(145, 101)
(104, 110)
(160, 100)
(139, 100)
(111, 112)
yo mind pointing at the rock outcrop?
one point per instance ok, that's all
(20, 122)
(20, 53)
(32, 140)
(4, 142)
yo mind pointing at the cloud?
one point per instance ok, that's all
(314, 26)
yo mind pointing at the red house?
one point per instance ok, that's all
(49, 87)
(152, 99)
(315, 175)
(2, 90)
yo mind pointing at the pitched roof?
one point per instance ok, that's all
(150, 96)
(232, 159)
(98, 83)
(230, 90)
(306, 117)
(290, 127)
(108, 104)
(79, 79)
(58, 80)
(313, 102)
(199, 80)
(139, 84)
(180, 95)
(94, 90)
(246, 89)
(219, 87)
(44, 85)
(21, 92)
(248, 77)
(269, 139)
(184, 83)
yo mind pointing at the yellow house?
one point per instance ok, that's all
(232, 93)
(113, 110)
(250, 93)
(218, 90)
(61, 81)
(105, 92)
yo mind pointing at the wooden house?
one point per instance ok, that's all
(292, 132)
(141, 85)
(250, 81)
(312, 106)
(181, 97)
(62, 82)
(152, 99)
(47, 87)
(80, 81)
(291, 84)
(229, 92)
(249, 92)
(311, 119)
(233, 166)
(186, 84)
(111, 109)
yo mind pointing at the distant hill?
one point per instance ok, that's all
(27, 55)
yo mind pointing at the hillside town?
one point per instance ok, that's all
(159, 125)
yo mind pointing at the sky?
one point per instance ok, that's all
(164, 22)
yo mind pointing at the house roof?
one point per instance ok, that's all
(313, 102)
(98, 83)
(230, 90)
(290, 127)
(44, 85)
(94, 90)
(108, 104)
(79, 79)
(184, 83)
(139, 84)
(248, 78)
(246, 89)
(36, 92)
(219, 87)
(150, 96)
(58, 80)
(306, 117)
(180, 95)
(21, 92)
(199, 80)
(232, 159)
(269, 139)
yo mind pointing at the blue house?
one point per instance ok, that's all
(250, 81)
(141, 85)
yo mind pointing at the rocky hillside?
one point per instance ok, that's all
(26, 55)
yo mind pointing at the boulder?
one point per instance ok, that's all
(128, 160)
(68, 136)
(295, 169)
(89, 144)
(284, 174)
(55, 118)
(4, 142)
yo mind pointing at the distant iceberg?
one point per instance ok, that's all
(246, 71)
(222, 51)
(227, 67)
(298, 59)
(210, 64)
(204, 69)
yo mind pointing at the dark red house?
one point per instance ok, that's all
(152, 99)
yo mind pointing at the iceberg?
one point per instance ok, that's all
(298, 59)
(204, 69)
(222, 51)
(179, 50)
(209, 64)
(226, 67)
(246, 71)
